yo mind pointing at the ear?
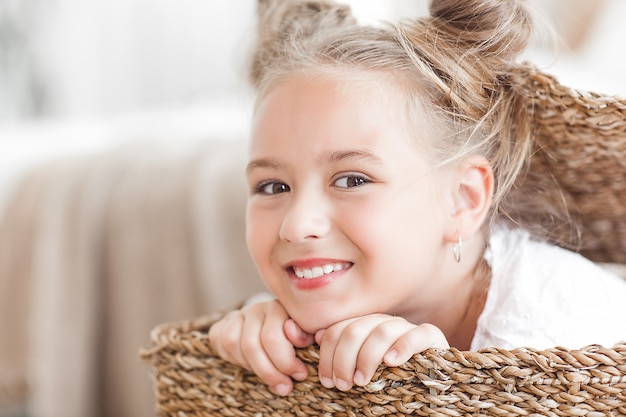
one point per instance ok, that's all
(472, 195)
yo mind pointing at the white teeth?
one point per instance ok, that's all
(317, 271)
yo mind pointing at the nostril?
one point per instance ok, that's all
(304, 219)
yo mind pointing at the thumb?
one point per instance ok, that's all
(298, 337)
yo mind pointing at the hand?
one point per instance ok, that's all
(261, 338)
(351, 350)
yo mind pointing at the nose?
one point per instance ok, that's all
(306, 218)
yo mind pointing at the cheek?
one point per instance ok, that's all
(257, 234)
(369, 223)
(393, 224)
(262, 234)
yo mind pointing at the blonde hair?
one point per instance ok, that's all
(458, 63)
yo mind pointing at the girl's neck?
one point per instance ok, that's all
(460, 311)
(461, 335)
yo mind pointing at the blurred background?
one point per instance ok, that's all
(158, 79)
(93, 65)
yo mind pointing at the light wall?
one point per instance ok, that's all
(89, 58)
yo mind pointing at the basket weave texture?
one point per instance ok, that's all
(578, 166)
(191, 381)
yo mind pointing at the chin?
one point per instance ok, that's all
(313, 322)
(311, 326)
(309, 320)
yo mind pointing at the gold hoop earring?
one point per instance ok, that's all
(456, 249)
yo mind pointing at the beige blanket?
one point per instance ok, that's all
(95, 251)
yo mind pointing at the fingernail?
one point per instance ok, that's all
(342, 385)
(299, 376)
(359, 378)
(391, 356)
(327, 382)
(282, 389)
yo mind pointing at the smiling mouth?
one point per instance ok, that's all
(321, 270)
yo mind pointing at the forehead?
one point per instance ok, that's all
(335, 103)
(333, 98)
(308, 117)
(321, 110)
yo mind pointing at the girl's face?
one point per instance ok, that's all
(346, 217)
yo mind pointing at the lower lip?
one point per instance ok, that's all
(315, 283)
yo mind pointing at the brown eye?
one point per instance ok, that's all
(351, 181)
(273, 187)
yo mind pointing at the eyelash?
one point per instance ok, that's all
(262, 188)
(361, 181)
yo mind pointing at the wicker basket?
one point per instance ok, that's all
(191, 381)
(579, 165)
(577, 172)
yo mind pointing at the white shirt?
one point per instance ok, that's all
(543, 296)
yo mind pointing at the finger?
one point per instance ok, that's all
(376, 346)
(298, 337)
(258, 358)
(342, 344)
(301, 339)
(319, 335)
(225, 338)
(416, 340)
(327, 340)
(280, 349)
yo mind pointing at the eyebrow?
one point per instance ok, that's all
(354, 155)
(269, 163)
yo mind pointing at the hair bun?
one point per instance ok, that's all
(498, 28)
(297, 18)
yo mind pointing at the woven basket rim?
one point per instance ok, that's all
(190, 337)
(190, 379)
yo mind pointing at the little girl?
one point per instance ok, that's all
(379, 158)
